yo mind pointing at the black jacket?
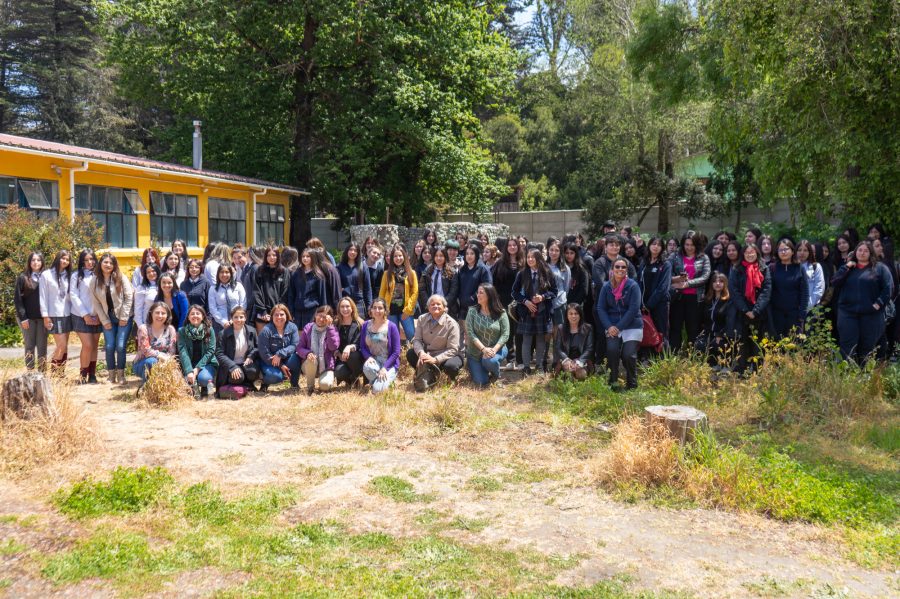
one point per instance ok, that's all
(27, 301)
(349, 335)
(579, 292)
(248, 280)
(579, 346)
(656, 282)
(862, 288)
(225, 347)
(271, 289)
(503, 278)
(197, 292)
(450, 286)
(721, 319)
(737, 280)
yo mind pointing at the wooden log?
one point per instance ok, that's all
(680, 421)
(27, 396)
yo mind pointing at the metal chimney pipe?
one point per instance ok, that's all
(198, 146)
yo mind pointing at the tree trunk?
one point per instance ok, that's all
(662, 196)
(27, 396)
(680, 421)
(301, 210)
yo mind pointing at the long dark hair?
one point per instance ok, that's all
(577, 262)
(837, 260)
(390, 268)
(182, 266)
(504, 264)
(873, 259)
(147, 267)
(360, 260)
(448, 270)
(544, 273)
(205, 325)
(493, 300)
(316, 258)
(68, 269)
(232, 282)
(79, 269)
(115, 276)
(278, 269)
(29, 284)
(159, 289)
(565, 333)
(658, 239)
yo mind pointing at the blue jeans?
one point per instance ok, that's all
(141, 368)
(371, 370)
(115, 339)
(272, 375)
(206, 375)
(480, 368)
(408, 325)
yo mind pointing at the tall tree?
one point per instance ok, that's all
(369, 105)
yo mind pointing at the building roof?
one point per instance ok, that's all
(76, 152)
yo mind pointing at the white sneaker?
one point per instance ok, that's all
(519, 367)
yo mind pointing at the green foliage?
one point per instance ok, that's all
(106, 554)
(21, 232)
(369, 105)
(484, 484)
(204, 503)
(891, 380)
(397, 489)
(10, 335)
(537, 195)
(127, 490)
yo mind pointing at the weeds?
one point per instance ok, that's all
(397, 489)
(165, 386)
(127, 490)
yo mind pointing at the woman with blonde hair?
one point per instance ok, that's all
(349, 365)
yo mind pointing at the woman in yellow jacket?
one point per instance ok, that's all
(400, 290)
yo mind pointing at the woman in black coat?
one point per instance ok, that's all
(751, 283)
(790, 292)
(574, 344)
(273, 284)
(580, 287)
(655, 279)
(445, 283)
(721, 323)
(234, 369)
(348, 366)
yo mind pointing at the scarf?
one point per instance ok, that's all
(754, 280)
(618, 290)
(194, 333)
(317, 345)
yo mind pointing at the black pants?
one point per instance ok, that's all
(749, 348)
(684, 312)
(349, 371)
(249, 374)
(860, 334)
(449, 367)
(514, 343)
(626, 351)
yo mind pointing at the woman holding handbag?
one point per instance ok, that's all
(655, 279)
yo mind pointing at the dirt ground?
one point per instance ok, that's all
(333, 445)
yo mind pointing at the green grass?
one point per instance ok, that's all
(11, 547)
(591, 399)
(484, 484)
(127, 490)
(398, 489)
(198, 528)
(469, 524)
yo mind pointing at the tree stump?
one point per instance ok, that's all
(27, 396)
(680, 421)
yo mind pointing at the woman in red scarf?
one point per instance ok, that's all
(751, 284)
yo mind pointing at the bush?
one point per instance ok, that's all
(128, 490)
(10, 335)
(22, 232)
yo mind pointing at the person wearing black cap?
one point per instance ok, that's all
(609, 227)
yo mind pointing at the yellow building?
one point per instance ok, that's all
(136, 200)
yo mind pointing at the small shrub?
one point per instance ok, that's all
(484, 484)
(639, 453)
(689, 374)
(166, 387)
(127, 490)
(10, 335)
(891, 380)
(397, 489)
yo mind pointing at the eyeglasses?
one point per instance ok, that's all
(620, 267)
(783, 250)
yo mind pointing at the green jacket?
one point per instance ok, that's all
(186, 352)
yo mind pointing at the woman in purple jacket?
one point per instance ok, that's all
(318, 343)
(380, 347)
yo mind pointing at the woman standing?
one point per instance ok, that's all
(752, 285)
(534, 290)
(487, 329)
(150, 256)
(197, 351)
(400, 291)
(416, 258)
(219, 255)
(113, 300)
(790, 292)
(348, 367)
(307, 290)
(579, 286)
(866, 287)
(472, 274)
(195, 285)
(574, 344)
(227, 294)
(354, 282)
(28, 312)
(504, 275)
(316, 244)
(56, 310)
(278, 349)
(815, 278)
(425, 259)
(319, 343)
(145, 293)
(172, 263)
(85, 321)
(380, 347)
(176, 300)
(655, 279)
(179, 248)
(718, 262)
(732, 256)
(721, 322)
(157, 340)
(273, 285)
(440, 279)
(690, 272)
(619, 312)
(767, 250)
(563, 280)
(237, 354)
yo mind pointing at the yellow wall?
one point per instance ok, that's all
(30, 166)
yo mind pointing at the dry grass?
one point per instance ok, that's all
(639, 453)
(61, 434)
(165, 387)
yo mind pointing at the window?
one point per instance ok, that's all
(227, 220)
(173, 216)
(269, 224)
(40, 196)
(114, 209)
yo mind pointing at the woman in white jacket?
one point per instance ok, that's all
(815, 276)
(145, 293)
(56, 308)
(224, 296)
(85, 321)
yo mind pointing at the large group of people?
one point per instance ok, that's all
(240, 319)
